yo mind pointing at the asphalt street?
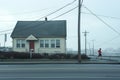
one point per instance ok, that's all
(60, 72)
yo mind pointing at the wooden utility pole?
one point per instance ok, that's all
(85, 34)
(93, 47)
(5, 39)
(79, 33)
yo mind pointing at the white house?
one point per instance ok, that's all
(40, 36)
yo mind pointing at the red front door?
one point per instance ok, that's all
(31, 46)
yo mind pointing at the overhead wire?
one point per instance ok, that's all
(6, 30)
(29, 12)
(58, 9)
(5, 33)
(64, 13)
(102, 20)
(112, 17)
(71, 10)
(30, 24)
(42, 23)
(108, 41)
(106, 25)
(46, 15)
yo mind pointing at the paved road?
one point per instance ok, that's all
(60, 72)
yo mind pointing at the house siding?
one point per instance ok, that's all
(18, 49)
(62, 48)
(38, 49)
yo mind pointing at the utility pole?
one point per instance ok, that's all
(79, 39)
(85, 34)
(5, 39)
(90, 49)
(93, 47)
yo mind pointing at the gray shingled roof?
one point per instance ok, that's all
(23, 29)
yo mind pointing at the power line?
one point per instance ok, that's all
(65, 13)
(70, 11)
(62, 15)
(6, 30)
(28, 25)
(105, 24)
(5, 33)
(103, 16)
(29, 12)
(106, 42)
(112, 17)
(42, 23)
(102, 20)
(49, 14)
(82, 12)
(58, 9)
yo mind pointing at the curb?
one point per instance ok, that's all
(59, 62)
(46, 61)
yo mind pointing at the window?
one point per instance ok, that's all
(57, 43)
(23, 43)
(20, 43)
(42, 43)
(52, 43)
(46, 43)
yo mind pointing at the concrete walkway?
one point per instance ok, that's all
(106, 59)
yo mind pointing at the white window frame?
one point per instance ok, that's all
(57, 43)
(42, 43)
(20, 43)
(52, 45)
(49, 43)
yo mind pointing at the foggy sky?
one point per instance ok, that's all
(104, 37)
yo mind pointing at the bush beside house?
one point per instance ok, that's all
(19, 55)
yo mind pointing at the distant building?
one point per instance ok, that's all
(5, 49)
(40, 36)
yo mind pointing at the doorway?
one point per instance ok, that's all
(31, 46)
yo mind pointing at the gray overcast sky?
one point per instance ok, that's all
(13, 10)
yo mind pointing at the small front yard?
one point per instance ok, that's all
(18, 55)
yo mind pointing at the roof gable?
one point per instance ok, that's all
(23, 29)
(31, 37)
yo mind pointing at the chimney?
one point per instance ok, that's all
(45, 18)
